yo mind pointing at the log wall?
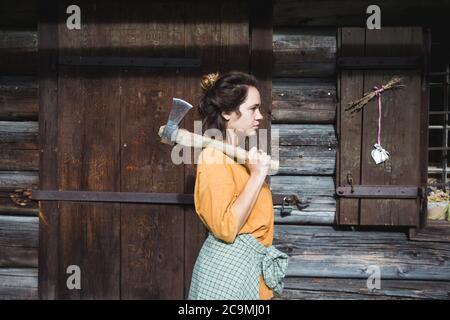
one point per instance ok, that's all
(303, 117)
(330, 263)
(19, 145)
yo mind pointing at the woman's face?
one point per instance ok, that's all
(248, 122)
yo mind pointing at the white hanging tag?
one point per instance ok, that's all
(379, 154)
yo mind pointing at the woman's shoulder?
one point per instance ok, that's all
(212, 166)
(211, 155)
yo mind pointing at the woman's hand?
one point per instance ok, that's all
(258, 162)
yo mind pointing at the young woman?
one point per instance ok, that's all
(237, 260)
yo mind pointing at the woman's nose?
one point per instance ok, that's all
(259, 115)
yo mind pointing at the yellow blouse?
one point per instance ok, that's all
(219, 182)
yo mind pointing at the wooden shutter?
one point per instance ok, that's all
(369, 58)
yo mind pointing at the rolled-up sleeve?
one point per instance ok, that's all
(215, 193)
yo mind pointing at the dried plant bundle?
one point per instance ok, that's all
(355, 106)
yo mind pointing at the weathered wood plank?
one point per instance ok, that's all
(153, 244)
(18, 40)
(18, 52)
(318, 186)
(18, 257)
(48, 129)
(303, 101)
(325, 252)
(304, 89)
(19, 179)
(330, 234)
(304, 69)
(320, 43)
(311, 112)
(304, 135)
(19, 132)
(435, 231)
(306, 160)
(302, 217)
(304, 52)
(18, 159)
(19, 241)
(89, 234)
(19, 145)
(18, 283)
(19, 231)
(349, 126)
(345, 289)
(18, 99)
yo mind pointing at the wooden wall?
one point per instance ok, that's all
(327, 262)
(303, 114)
(19, 156)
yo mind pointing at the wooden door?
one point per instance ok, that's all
(99, 125)
(369, 58)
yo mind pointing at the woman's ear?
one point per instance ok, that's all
(226, 116)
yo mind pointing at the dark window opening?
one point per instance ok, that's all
(438, 151)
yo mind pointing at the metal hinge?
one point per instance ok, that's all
(378, 191)
(111, 196)
(114, 61)
(370, 63)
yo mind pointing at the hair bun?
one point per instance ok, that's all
(208, 80)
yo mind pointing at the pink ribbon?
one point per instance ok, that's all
(378, 93)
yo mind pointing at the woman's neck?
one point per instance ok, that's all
(232, 138)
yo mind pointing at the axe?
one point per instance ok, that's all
(171, 134)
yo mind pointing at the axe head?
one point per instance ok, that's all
(179, 109)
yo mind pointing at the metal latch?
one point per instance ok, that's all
(350, 181)
(291, 200)
(21, 197)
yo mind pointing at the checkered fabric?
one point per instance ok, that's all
(232, 271)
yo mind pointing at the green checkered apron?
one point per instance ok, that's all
(232, 271)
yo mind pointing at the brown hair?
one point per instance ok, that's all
(223, 93)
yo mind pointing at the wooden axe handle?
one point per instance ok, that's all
(189, 139)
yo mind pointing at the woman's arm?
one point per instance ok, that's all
(243, 205)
